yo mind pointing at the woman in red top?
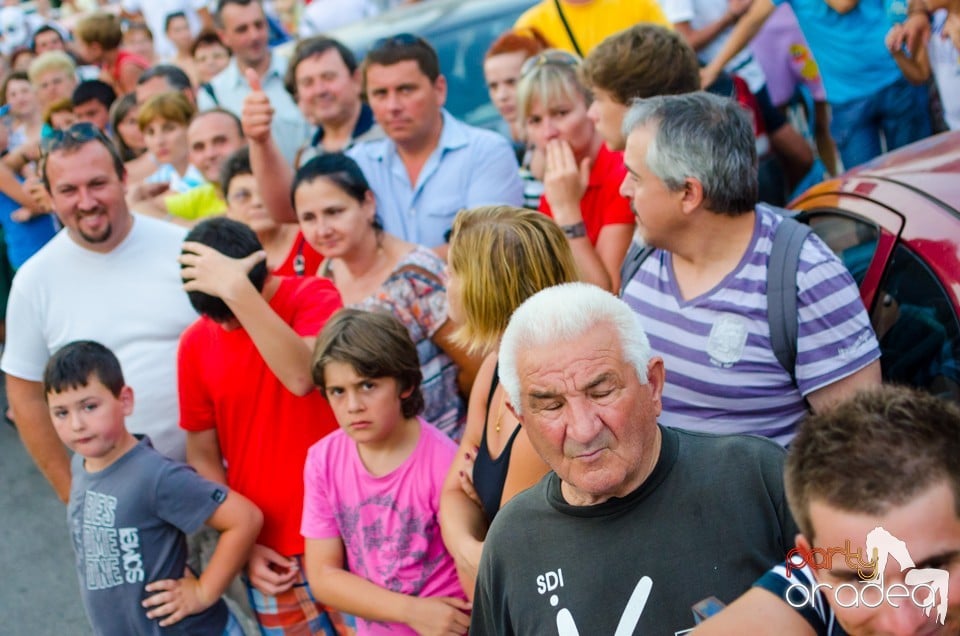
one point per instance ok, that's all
(98, 42)
(581, 176)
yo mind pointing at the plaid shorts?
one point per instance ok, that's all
(296, 612)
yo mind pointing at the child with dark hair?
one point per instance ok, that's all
(373, 544)
(249, 406)
(130, 509)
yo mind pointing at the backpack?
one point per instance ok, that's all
(781, 285)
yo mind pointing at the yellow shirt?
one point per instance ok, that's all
(591, 23)
(196, 203)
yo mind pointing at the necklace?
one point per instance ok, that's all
(503, 401)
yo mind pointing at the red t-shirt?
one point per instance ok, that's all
(264, 430)
(602, 204)
(310, 258)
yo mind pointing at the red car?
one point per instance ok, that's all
(895, 222)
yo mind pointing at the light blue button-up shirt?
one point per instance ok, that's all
(469, 167)
(290, 130)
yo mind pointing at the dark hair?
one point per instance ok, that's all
(376, 345)
(230, 238)
(237, 164)
(74, 138)
(171, 17)
(400, 48)
(118, 111)
(94, 89)
(223, 4)
(76, 362)
(176, 78)
(310, 47)
(46, 28)
(207, 37)
(874, 451)
(12, 77)
(342, 170)
(19, 52)
(643, 61)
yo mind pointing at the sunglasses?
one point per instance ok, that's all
(75, 135)
(549, 58)
(399, 40)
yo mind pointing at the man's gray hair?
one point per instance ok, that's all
(705, 137)
(560, 315)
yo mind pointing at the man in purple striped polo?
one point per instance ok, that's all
(702, 295)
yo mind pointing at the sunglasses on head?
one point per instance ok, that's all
(75, 135)
(551, 58)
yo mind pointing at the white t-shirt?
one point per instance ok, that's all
(320, 16)
(700, 13)
(945, 65)
(155, 14)
(130, 299)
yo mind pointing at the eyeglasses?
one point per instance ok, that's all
(552, 58)
(398, 40)
(75, 135)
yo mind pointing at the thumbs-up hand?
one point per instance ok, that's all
(257, 113)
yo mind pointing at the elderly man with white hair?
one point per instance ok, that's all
(639, 528)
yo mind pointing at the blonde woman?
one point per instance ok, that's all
(499, 256)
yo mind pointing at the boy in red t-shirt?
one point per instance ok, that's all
(248, 403)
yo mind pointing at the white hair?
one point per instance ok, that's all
(560, 315)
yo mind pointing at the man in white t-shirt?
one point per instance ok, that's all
(155, 14)
(109, 276)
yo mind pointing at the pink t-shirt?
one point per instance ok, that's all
(388, 524)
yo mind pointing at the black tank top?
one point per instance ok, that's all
(489, 475)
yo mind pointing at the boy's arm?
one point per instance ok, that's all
(915, 68)
(203, 453)
(238, 522)
(334, 586)
(746, 28)
(285, 352)
(754, 613)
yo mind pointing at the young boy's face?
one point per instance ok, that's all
(90, 421)
(367, 409)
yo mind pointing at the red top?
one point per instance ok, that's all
(602, 204)
(125, 57)
(310, 259)
(264, 431)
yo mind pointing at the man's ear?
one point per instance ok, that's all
(656, 376)
(440, 86)
(692, 198)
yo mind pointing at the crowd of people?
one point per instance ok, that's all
(303, 353)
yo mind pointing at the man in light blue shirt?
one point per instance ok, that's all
(242, 26)
(431, 165)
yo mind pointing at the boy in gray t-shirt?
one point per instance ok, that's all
(130, 508)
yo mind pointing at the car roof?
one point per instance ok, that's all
(930, 166)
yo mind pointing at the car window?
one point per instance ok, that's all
(918, 330)
(852, 239)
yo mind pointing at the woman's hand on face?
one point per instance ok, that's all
(564, 182)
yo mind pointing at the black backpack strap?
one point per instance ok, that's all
(782, 269)
(566, 25)
(632, 262)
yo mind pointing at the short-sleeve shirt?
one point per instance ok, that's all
(129, 523)
(416, 294)
(263, 429)
(814, 608)
(469, 167)
(722, 374)
(602, 203)
(388, 524)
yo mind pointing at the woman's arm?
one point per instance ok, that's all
(336, 587)
(467, 363)
(463, 523)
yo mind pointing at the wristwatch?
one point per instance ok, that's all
(574, 230)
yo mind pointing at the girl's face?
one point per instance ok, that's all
(21, 97)
(178, 32)
(139, 43)
(23, 61)
(61, 120)
(564, 118)
(210, 60)
(167, 140)
(333, 222)
(129, 130)
(502, 72)
(245, 205)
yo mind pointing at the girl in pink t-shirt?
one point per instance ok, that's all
(373, 545)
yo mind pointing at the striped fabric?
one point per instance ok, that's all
(722, 376)
(816, 611)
